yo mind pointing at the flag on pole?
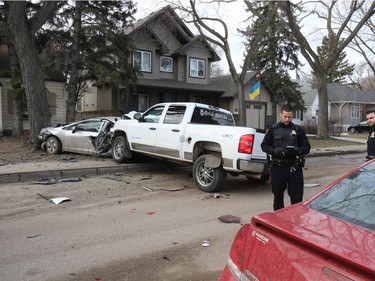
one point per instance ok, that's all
(254, 91)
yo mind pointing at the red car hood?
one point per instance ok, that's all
(341, 240)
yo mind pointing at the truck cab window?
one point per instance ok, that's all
(211, 116)
(175, 114)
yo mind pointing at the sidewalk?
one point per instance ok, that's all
(65, 169)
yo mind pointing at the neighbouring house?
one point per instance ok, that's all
(346, 106)
(259, 109)
(174, 65)
(56, 96)
(56, 100)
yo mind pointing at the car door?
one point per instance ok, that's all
(169, 136)
(78, 140)
(142, 135)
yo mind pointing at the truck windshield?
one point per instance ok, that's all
(210, 116)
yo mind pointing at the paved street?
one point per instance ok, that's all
(137, 225)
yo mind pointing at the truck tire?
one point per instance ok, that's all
(120, 150)
(206, 178)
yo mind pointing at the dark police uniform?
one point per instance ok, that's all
(287, 144)
(371, 144)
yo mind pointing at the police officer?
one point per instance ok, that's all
(286, 143)
(370, 117)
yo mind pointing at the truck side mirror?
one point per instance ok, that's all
(137, 116)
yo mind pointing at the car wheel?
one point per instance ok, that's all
(352, 130)
(120, 150)
(206, 178)
(53, 145)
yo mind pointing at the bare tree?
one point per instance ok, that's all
(208, 27)
(337, 40)
(22, 31)
(364, 44)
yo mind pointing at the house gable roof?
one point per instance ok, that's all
(197, 41)
(180, 30)
(308, 94)
(183, 31)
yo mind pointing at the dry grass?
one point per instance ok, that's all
(331, 142)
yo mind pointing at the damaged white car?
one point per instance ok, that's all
(90, 136)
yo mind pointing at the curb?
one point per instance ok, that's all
(73, 172)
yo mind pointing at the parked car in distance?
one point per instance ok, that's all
(90, 136)
(330, 236)
(359, 128)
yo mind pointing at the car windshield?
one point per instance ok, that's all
(352, 199)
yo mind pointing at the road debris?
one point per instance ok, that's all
(34, 236)
(164, 189)
(56, 200)
(309, 185)
(229, 219)
(59, 200)
(74, 179)
(115, 177)
(68, 158)
(218, 195)
(145, 187)
(46, 181)
(206, 243)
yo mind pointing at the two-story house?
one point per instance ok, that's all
(173, 64)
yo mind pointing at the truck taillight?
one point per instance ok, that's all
(246, 144)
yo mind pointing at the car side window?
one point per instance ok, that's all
(175, 114)
(90, 126)
(153, 115)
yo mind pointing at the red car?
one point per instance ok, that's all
(330, 236)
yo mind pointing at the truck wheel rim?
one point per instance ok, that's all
(119, 149)
(205, 175)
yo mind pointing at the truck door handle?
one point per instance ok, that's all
(152, 128)
(175, 130)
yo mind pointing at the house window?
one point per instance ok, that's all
(298, 114)
(197, 68)
(166, 64)
(52, 97)
(143, 102)
(356, 111)
(142, 60)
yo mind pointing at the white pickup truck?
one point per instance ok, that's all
(192, 133)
